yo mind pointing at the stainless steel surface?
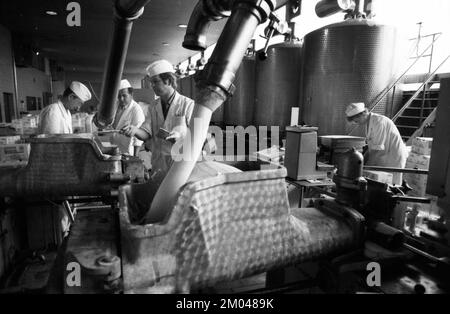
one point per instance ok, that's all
(350, 165)
(277, 85)
(239, 108)
(351, 61)
(63, 165)
(233, 43)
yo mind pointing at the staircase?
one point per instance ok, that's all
(419, 109)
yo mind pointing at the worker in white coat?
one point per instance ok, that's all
(56, 118)
(167, 120)
(128, 113)
(385, 144)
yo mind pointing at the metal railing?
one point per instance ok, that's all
(414, 96)
(393, 85)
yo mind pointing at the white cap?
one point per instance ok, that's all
(124, 84)
(160, 66)
(354, 109)
(80, 90)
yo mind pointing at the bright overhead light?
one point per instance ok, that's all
(51, 12)
(165, 44)
(182, 25)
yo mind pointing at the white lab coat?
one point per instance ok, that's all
(385, 145)
(55, 119)
(132, 115)
(179, 114)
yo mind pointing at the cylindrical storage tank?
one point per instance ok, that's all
(351, 61)
(239, 108)
(277, 85)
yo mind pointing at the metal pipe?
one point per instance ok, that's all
(326, 8)
(410, 199)
(126, 11)
(211, 10)
(16, 90)
(396, 170)
(203, 14)
(214, 84)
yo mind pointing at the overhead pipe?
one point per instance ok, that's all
(204, 13)
(125, 12)
(327, 8)
(214, 85)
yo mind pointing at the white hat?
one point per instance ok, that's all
(354, 109)
(160, 66)
(80, 90)
(124, 84)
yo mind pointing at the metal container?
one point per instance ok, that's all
(239, 109)
(277, 85)
(351, 61)
(350, 165)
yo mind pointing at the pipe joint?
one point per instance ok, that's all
(120, 14)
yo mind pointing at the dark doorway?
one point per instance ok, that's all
(47, 98)
(9, 107)
(31, 103)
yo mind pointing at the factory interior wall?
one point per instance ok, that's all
(6, 68)
(31, 83)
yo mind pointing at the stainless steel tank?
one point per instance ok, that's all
(239, 109)
(277, 85)
(351, 61)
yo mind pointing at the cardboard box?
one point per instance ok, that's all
(7, 140)
(418, 161)
(379, 176)
(422, 145)
(417, 182)
(14, 152)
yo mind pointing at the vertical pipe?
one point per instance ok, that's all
(126, 11)
(16, 90)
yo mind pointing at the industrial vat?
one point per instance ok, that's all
(239, 109)
(351, 61)
(277, 85)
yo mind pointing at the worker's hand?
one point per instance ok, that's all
(129, 130)
(174, 136)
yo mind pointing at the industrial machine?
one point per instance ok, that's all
(206, 223)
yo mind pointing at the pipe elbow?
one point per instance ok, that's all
(204, 12)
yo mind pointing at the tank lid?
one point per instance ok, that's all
(301, 129)
(352, 22)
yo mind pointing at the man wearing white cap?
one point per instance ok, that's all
(171, 112)
(385, 144)
(56, 118)
(128, 113)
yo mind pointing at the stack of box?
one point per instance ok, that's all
(27, 125)
(14, 154)
(379, 176)
(80, 122)
(419, 158)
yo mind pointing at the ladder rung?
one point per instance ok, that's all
(407, 127)
(409, 117)
(418, 108)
